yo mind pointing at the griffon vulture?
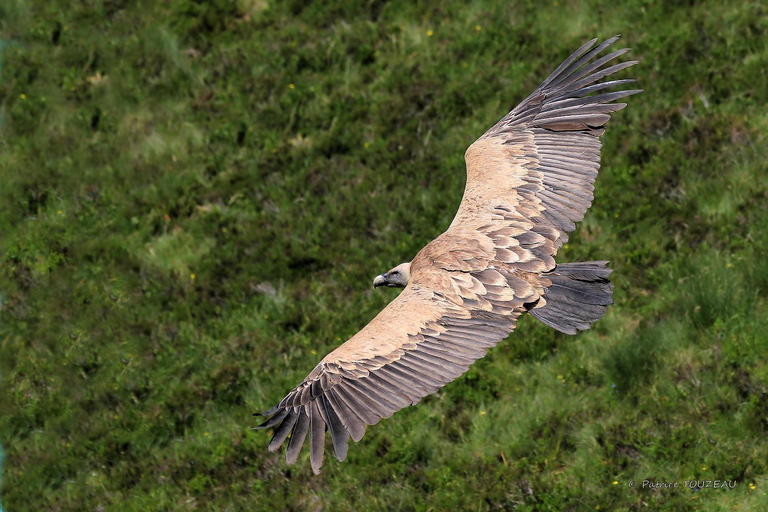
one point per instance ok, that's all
(529, 179)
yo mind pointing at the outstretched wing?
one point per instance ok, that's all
(529, 179)
(542, 158)
(428, 336)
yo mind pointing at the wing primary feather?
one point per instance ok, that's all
(576, 101)
(282, 431)
(578, 93)
(602, 74)
(586, 70)
(575, 73)
(567, 62)
(274, 420)
(298, 435)
(316, 437)
(584, 109)
(573, 122)
(272, 410)
(339, 434)
(567, 73)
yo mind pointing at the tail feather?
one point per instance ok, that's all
(579, 296)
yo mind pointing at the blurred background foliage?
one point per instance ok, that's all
(196, 196)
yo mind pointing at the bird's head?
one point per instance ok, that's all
(396, 278)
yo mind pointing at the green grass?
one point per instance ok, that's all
(196, 196)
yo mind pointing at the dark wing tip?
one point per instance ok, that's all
(270, 412)
(273, 420)
(569, 103)
(578, 76)
(281, 433)
(298, 435)
(312, 416)
(317, 429)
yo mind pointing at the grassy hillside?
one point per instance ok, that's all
(197, 195)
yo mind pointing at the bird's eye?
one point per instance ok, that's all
(395, 273)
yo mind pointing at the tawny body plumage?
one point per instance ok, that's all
(530, 178)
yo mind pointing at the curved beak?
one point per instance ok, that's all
(380, 280)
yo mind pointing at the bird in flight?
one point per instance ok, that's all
(529, 179)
